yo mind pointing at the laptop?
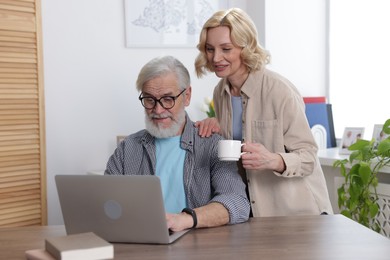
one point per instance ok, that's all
(122, 209)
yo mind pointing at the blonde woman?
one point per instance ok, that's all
(266, 112)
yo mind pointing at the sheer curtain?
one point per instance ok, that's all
(359, 56)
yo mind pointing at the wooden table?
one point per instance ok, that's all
(304, 237)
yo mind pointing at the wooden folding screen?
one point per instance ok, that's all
(22, 128)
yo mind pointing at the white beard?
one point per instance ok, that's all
(160, 132)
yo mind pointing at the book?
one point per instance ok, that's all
(321, 113)
(309, 100)
(85, 246)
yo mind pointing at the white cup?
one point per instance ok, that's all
(229, 150)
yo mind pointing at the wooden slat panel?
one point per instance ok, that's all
(17, 106)
(20, 212)
(12, 161)
(20, 216)
(17, 21)
(18, 81)
(24, 212)
(19, 157)
(4, 113)
(18, 186)
(18, 70)
(27, 3)
(12, 39)
(18, 65)
(11, 50)
(17, 76)
(19, 101)
(19, 152)
(20, 60)
(31, 222)
(19, 196)
(29, 116)
(16, 86)
(22, 45)
(18, 127)
(17, 164)
(29, 54)
(18, 34)
(20, 141)
(18, 137)
(17, 147)
(10, 173)
(18, 91)
(17, 122)
(22, 159)
(17, 6)
(20, 206)
(17, 133)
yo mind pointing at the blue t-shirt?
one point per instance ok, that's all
(237, 118)
(169, 167)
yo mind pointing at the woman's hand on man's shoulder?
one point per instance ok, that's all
(208, 126)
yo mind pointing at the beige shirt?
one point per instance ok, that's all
(274, 115)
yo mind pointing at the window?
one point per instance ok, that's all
(359, 56)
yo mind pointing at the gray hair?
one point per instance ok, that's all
(162, 66)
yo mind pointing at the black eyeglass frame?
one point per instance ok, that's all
(159, 100)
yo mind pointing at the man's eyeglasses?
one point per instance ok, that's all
(166, 102)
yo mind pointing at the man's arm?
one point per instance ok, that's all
(210, 215)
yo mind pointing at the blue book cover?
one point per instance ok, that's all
(321, 113)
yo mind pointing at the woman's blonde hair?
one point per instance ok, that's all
(243, 34)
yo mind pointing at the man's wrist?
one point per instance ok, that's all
(192, 213)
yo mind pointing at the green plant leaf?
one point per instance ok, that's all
(374, 182)
(354, 173)
(346, 213)
(358, 145)
(386, 127)
(338, 163)
(341, 195)
(384, 148)
(365, 173)
(354, 156)
(374, 209)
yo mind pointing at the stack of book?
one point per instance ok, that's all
(318, 111)
(84, 246)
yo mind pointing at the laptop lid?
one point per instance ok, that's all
(124, 209)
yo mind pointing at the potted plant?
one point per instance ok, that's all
(357, 197)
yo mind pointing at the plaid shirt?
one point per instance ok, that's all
(206, 178)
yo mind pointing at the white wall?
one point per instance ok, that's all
(296, 38)
(90, 75)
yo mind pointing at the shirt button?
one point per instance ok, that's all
(253, 202)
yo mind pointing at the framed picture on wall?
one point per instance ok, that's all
(167, 23)
(350, 136)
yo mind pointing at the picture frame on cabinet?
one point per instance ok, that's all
(350, 136)
(378, 134)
